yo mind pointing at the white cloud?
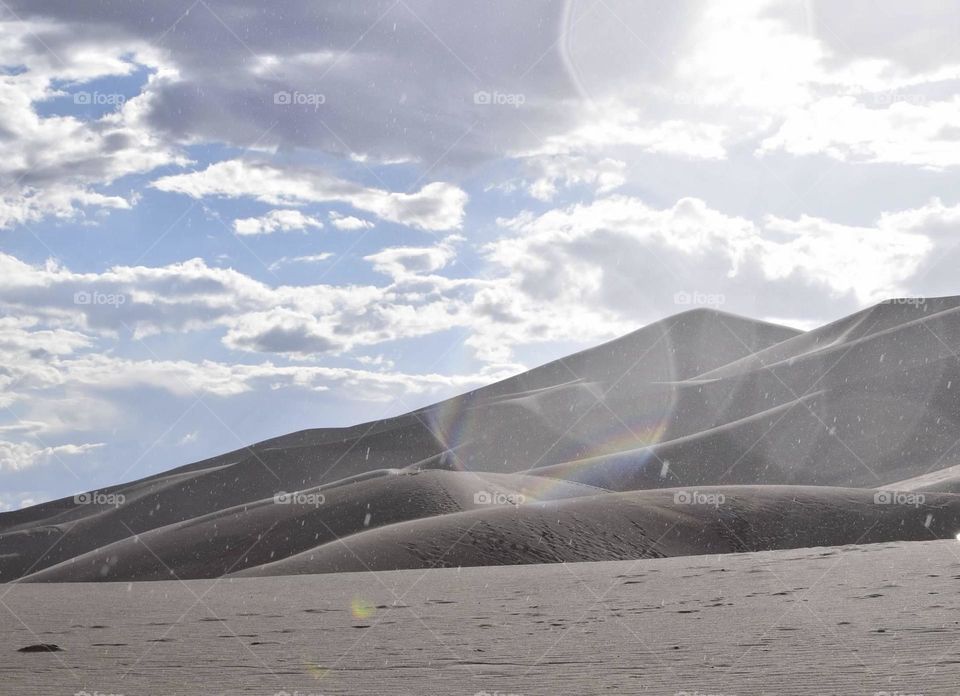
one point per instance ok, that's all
(922, 134)
(16, 501)
(615, 125)
(20, 334)
(759, 68)
(276, 221)
(686, 83)
(873, 263)
(375, 360)
(582, 272)
(403, 262)
(591, 153)
(397, 95)
(17, 456)
(192, 296)
(308, 258)
(348, 222)
(186, 378)
(550, 170)
(610, 265)
(436, 206)
(92, 390)
(798, 78)
(53, 164)
(281, 330)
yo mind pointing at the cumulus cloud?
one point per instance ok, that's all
(276, 221)
(402, 262)
(281, 331)
(584, 271)
(383, 82)
(54, 164)
(436, 206)
(88, 374)
(924, 134)
(798, 78)
(617, 125)
(14, 501)
(187, 378)
(307, 258)
(552, 171)
(399, 83)
(618, 262)
(16, 456)
(404, 82)
(22, 335)
(191, 296)
(348, 222)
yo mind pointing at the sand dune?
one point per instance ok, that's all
(250, 535)
(578, 459)
(640, 524)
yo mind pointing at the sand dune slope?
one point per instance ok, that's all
(700, 399)
(642, 524)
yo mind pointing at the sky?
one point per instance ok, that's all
(226, 220)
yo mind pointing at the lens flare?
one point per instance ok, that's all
(361, 609)
(317, 671)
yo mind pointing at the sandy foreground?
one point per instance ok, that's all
(871, 619)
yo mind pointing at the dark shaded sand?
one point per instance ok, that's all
(40, 648)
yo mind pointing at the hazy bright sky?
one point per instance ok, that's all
(224, 220)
